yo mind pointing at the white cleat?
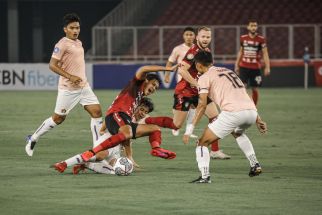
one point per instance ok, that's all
(193, 136)
(219, 155)
(30, 146)
(175, 132)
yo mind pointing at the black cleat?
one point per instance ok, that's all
(201, 180)
(255, 170)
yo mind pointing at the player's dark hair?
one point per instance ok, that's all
(251, 20)
(189, 29)
(152, 76)
(69, 18)
(148, 103)
(204, 58)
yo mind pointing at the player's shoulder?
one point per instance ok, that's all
(244, 36)
(260, 37)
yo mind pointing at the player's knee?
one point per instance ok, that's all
(58, 119)
(97, 113)
(101, 155)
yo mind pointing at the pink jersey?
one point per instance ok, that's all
(70, 54)
(225, 89)
(177, 56)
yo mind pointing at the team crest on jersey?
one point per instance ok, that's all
(56, 50)
(190, 56)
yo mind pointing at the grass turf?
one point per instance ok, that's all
(290, 154)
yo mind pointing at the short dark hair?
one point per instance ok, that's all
(189, 29)
(152, 76)
(251, 20)
(204, 58)
(69, 18)
(148, 103)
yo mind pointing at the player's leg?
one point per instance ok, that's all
(65, 102)
(155, 140)
(212, 113)
(255, 82)
(190, 116)
(180, 110)
(203, 156)
(92, 106)
(247, 118)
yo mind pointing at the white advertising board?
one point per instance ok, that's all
(32, 76)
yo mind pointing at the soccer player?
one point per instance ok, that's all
(238, 112)
(248, 64)
(105, 160)
(68, 61)
(186, 92)
(119, 116)
(176, 57)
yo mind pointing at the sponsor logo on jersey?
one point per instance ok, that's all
(190, 56)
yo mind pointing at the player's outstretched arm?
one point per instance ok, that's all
(129, 152)
(141, 73)
(167, 73)
(183, 71)
(200, 111)
(53, 66)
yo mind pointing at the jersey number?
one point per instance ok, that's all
(233, 78)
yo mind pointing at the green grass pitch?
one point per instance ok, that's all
(290, 154)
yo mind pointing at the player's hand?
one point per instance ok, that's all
(75, 79)
(185, 138)
(262, 126)
(267, 71)
(175, 67)
(167, 78)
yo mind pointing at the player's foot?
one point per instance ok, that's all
(60, 167)
(163, 153)
(30, 145)
(255, 170)
(193, 136)
(87, 155)
(201, 180)
(175, 132)
(79, 167)
(219, 155)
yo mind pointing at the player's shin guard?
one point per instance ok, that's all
(96, 124)
(110, 142)
(155, 139)
(203, 159)
(46, 126)
(246, 146)
(163, 121)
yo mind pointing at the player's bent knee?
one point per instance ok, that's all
(58, 119)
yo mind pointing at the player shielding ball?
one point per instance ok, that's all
(238, 112)
(119, 117)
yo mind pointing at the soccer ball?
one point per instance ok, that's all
(123, 166)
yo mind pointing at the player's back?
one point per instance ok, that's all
(226, 90)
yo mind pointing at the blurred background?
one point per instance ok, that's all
(120, 35)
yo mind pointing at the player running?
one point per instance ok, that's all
(176, 57)
(68, 61)
(238, 112)
(119, 116)
(186, 92)
(248, 63)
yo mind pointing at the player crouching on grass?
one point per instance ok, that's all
(238, 112)
(119, 116)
